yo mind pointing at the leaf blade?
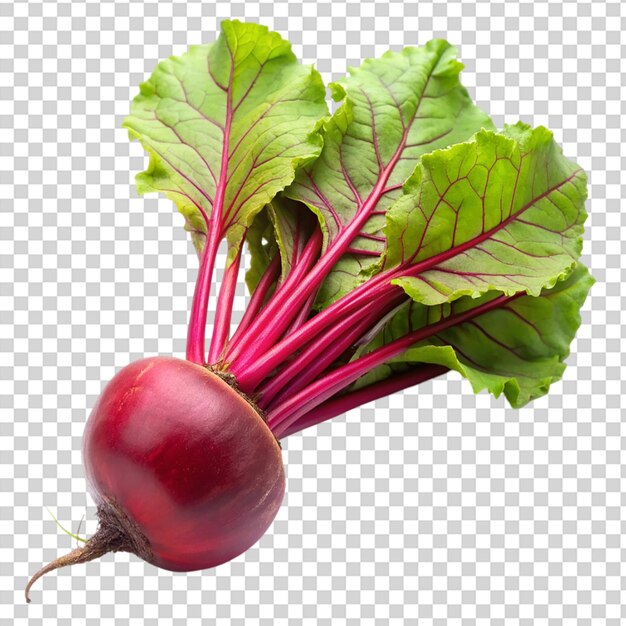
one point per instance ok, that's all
(262, 246)
(518, 350)
(395, 109)
(293, 225)
(503, 211)
(226, 125)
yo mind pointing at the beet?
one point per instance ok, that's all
(183, 469)
(400, 237)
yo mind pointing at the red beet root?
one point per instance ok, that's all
(184, 470)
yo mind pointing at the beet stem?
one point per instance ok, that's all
(251, 374)
(279, 311)
(258, 298)
(343, 403)
(283, 303)
(281, 417)
(319, 354)
(200, 302)
(221, 325)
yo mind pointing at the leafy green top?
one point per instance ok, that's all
(401, 230)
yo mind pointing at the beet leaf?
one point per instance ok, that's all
(394, 110)
(503, 211)
(226, 125)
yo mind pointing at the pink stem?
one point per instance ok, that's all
(376, 289)
(303, 315)
(321, 353)
(274, 314)
(344, 403)
(327, 386)
(257, 300)
(301, 266)
(200, 303)
(221, 328)
(282, 312)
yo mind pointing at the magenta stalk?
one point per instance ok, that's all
(327, 386)
(200, 303)
(221, 328)
(249, 376)
(344, 403)
(258, 298)
(321, 353)
(266, 334)
(281, 309)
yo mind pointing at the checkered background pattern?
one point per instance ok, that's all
(435, 507)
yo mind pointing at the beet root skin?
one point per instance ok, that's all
(186, 459)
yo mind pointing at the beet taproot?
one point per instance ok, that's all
(183, 469)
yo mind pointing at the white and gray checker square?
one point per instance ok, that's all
(432, 507)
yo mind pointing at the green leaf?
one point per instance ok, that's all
(293, 225)
(226, 125)
(504, 211)
(518, 349)
(394, 110)
(262, 246)
(282, 227)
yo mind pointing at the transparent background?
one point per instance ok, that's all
(432, 507)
